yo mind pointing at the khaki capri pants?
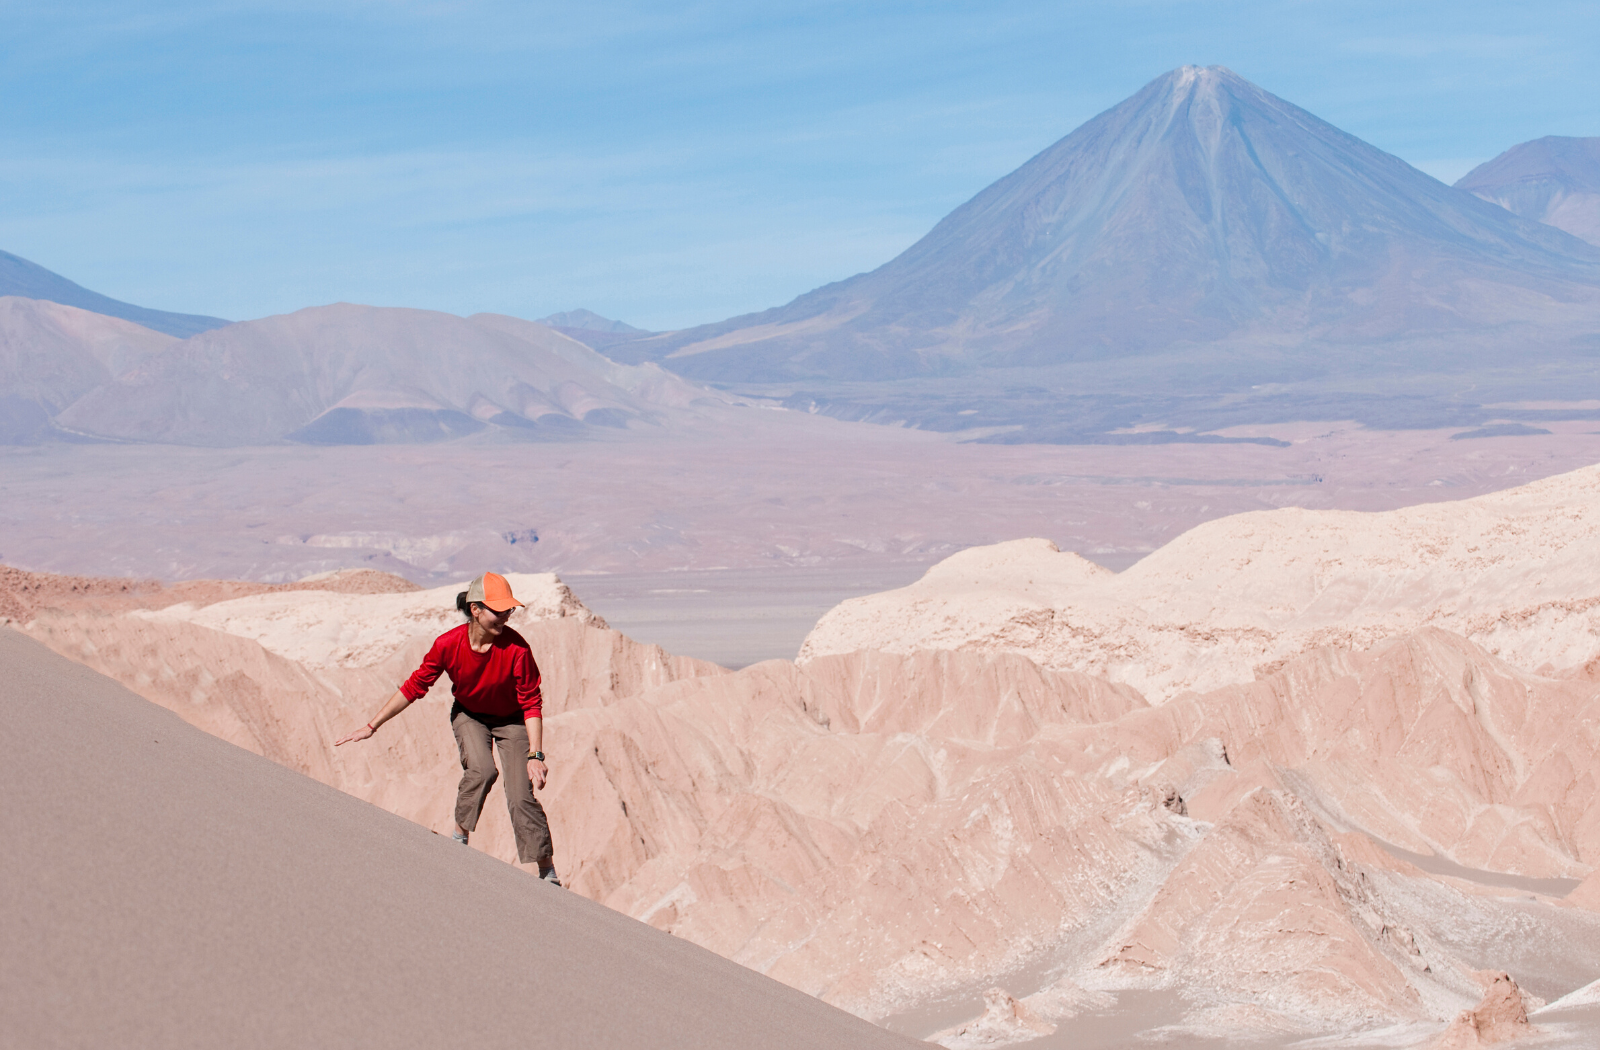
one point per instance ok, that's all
(475, 734)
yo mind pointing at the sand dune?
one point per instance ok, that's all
(183, 893)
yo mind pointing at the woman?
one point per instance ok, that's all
(496, 686)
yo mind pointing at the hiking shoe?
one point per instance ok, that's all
(459, 836)
(549, 875)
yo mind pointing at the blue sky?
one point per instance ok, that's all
(665, 164)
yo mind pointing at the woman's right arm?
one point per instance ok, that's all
(397, 703)
(413, 688)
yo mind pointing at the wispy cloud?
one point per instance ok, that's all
(1467, 46)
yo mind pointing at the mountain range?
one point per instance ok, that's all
(1201, 256)
(1204, 253)
(339, 375)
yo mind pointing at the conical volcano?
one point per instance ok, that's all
(1201, 209)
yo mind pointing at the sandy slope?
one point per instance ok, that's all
(1518, 572)
(180, 892)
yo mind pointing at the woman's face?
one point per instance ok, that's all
(491, 623)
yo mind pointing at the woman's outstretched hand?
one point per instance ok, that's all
(365, 732)
(396, 703)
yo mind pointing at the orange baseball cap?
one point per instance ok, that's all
(491, 589)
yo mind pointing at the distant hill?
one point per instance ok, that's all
(1553, 180)
(51, 355)
(1202, 240)
(355, 375)
(592, 330)
(29, 280)
(587, 320)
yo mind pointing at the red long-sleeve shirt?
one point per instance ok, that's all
(502, 682)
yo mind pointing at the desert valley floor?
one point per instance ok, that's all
(756, 521)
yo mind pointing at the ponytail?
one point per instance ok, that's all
(461, 605)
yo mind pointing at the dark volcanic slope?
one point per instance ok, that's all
(1201, 209)
(18, 276)
(1553, 180)
(180, 892)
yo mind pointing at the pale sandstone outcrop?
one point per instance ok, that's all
(24, 593)
(305, 626)
(1499, 1018)
(1005, 1020)
(1518, 572)
(1066, 999)
(1424, 741)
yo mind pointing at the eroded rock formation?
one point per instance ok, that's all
(1517, 572)
(1501, 1016)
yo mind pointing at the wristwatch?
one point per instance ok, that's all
(536, 756)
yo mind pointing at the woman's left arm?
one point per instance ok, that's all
(537, 770)
(530, 694)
